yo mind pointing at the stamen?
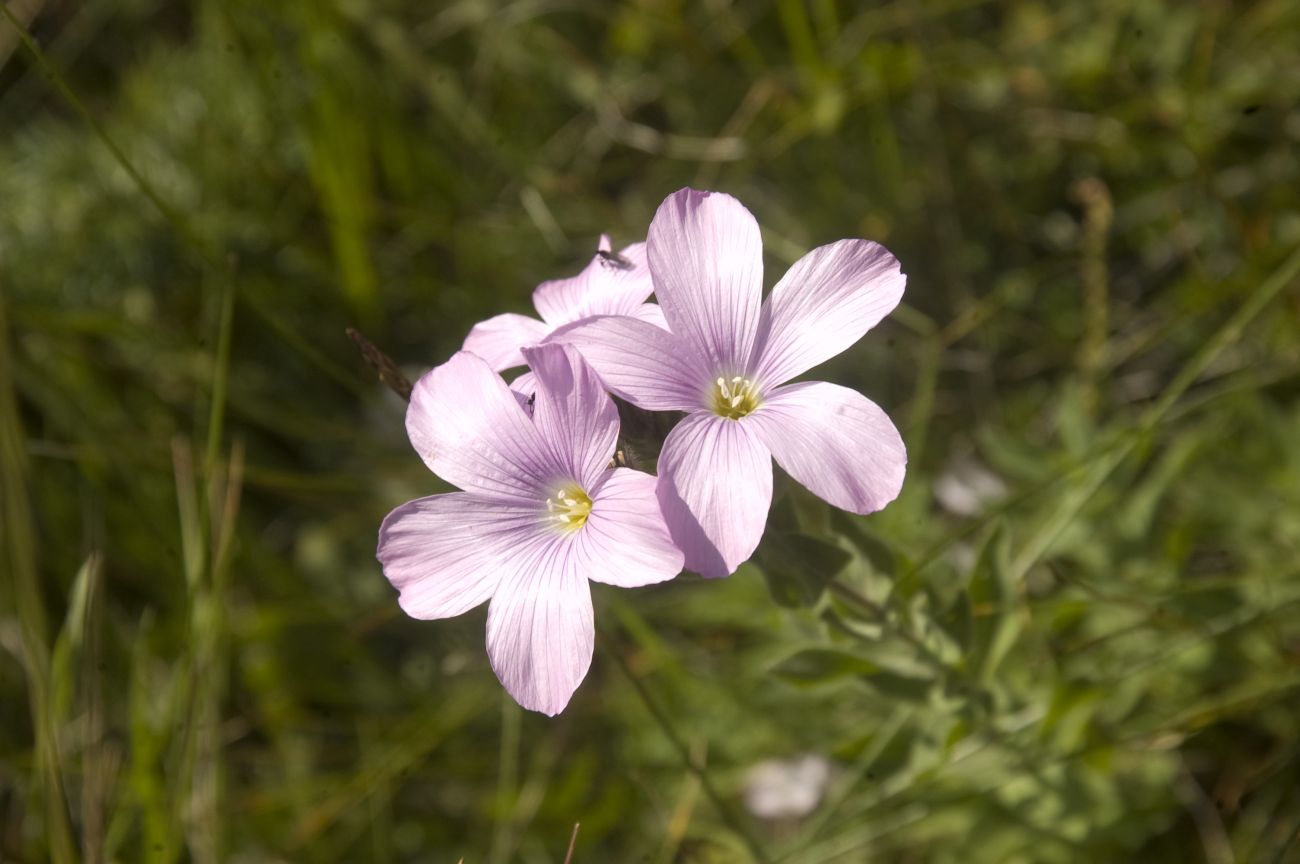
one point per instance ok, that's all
(569, 507)
(735, 397)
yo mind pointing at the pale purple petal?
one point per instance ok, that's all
(835, 441)
(610, 284)
(498, 340)
(625, 541)
(576, 418)
(472, 432)
(652, 313)
(824, 304)
(447, 553)
(706, 257)
(715, 487)
(639, 362)
(525, 389)
(540, 632)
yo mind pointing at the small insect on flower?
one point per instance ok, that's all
(612, 283)
(541, 513)
(613, 260)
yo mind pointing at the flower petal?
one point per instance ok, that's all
(498, 340)
(625, 541)
(835, 441)
(715, 488)
(540, 632)
(574, 415)
(706, 257)
(525, 389)
(446, 553)
(639, 362)
(610, 284)
(824, 304)
(653, 313)
(472, 432)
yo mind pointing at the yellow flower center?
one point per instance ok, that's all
(734, 397)
(569, 507)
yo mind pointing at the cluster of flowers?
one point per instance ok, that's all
(544, 507)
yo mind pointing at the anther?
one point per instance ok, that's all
(569, 507)
(734, 397)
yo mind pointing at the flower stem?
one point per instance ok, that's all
(852, 595)
(734, 821)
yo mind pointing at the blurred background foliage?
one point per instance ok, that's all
(1075, 637)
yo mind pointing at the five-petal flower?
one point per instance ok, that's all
(610, 284)
(540, 514)
(727, 362)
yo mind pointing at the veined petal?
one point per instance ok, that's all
(625, 541)
(835, 441)
(574, 415)
(540, 632)
(610, 284)
(652, 313)
(471, 431)
(498, 339)
(525, 389)
(823, 304)
(715, 488)
(706, 257)
(639, 362)
(446, 554)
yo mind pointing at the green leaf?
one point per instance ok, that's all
(888, 667)
(959, 621)
(1071, 710)
(798, 567)
(783, 518)
(868, 544)
(901, 687)
(993, 605)
(822, 666)
(68, 643)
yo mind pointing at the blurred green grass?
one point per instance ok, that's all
(201, 659)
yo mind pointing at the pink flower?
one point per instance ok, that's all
(611, 284)
(541, 514)
(727, 361)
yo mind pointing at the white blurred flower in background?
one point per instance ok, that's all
(967, 488)
(786, 788)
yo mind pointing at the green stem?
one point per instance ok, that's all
(16, 533)
(734, 821)
(503, 837)
(850, 594)
(220, 376)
